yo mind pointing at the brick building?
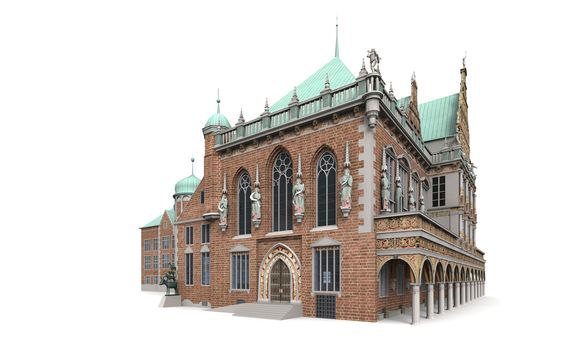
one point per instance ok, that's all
(339, 198)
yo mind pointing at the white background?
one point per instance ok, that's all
(102, 105)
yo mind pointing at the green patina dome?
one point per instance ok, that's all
(187, 185)
(218, 119)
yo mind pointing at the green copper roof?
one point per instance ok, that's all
(157, 220)
(438, 117)
(171, 214)
(218, 119)
(338, 75)
(187, 185)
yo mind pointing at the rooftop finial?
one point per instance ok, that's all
(294, 98)
(218, 102)
(363, 70)
(390, 88)
(241, 119)
(336, 49)
(192, 165)
(464, 59)
(327, 82)
(414, 76)
(266, 107)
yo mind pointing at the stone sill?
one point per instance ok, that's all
(279, 233)
(324, 228)
(242, 236)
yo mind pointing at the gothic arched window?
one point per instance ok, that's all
(282, 192)
(244, 205)
(326, 190)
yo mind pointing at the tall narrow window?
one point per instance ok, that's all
(155, 262)
(240, 271)
(189, 235)
(327, 269)
(205, 268)
(147, 262)
(404, 175)
(201, 197)
(282, 192)
(244, 205)
(416, 189)
(205, 233)
(189, 268)
(400, 278)
(155, 244)
(390, 163)
(384, 280)
(438, 191)
(326, 190)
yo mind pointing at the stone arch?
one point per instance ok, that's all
(449, 275)
(394, 264)
(456, 273)
(468, 275)
(282, 252)
(410, 260)
(439, 273)
(426, 272)
(462, 274)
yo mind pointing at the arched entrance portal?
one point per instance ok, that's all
(280, 283)
(280, 276)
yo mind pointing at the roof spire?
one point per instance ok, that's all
(241, 119)
(218, 102)
(266, 107)
(192, 165)
(336, 49)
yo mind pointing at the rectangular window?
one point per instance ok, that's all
(327, 269)
(146, 245)
(155, 280)
(189, 235)
(172, 241)
(165, 261)
(147, 279)
(205, 233)
(201, 197)
(147, 262)
(189, 268)
(155, 262)
(400, 285)
(205, 268)
(439, 191)
(165, 242)
(155, 244)
(384, 281)
(240, 271)
(326, 306)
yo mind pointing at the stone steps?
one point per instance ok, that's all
(264, 310)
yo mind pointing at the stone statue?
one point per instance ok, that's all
(346, 190)
(223, 210)
(373, 61)
(170, 280)
(255, 197)
(385, 190)
(299, 199)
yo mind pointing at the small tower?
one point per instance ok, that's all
(185, 188)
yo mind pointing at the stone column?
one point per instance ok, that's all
(475, 289)
(462, 293)
(441, 298)
(457, 294)
(430, 301)
(416, 303)
(468, 292)
(450, 295)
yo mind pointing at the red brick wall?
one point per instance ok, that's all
(358, 266)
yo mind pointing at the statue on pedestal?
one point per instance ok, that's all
(299, 195)
(346, 186)
(170, 280)
(223, 207)
(255, 197)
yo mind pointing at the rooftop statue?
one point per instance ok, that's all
(374, 61)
